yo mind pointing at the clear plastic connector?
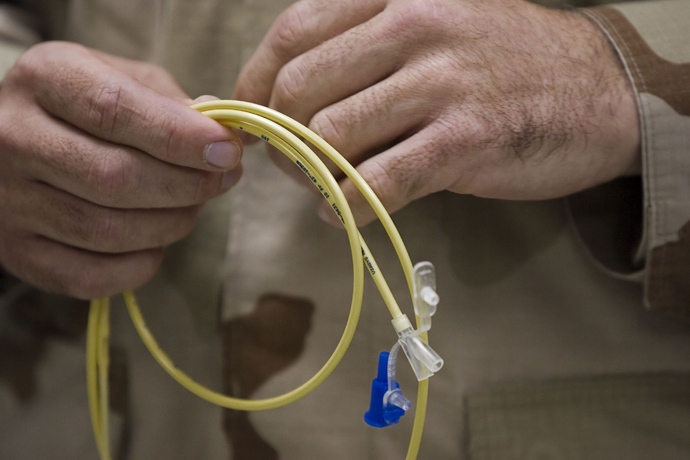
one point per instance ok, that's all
(425, 297)
(387, 402)
(394, 395)
(423, 359)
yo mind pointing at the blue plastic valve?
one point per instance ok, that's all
(378, 415)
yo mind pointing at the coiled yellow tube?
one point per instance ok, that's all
(282, 132)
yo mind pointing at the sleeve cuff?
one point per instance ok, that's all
(651, 39)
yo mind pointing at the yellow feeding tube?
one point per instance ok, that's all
(284, 134)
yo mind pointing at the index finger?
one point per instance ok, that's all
(114, 106)
(303, 26)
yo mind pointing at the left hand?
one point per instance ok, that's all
(102, 165)
(496, 98)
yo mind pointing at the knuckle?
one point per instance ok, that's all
(166, 137)
(290, 86)
(325, 124)
(473, 132)
(34, 64)
(104, 106)
(107, 229)
(289, 31)
(196, 188)
(416, 15)
(112, 176)
(164, 134)
(460, 158)
(382, 180)
(25, 70)
(431, 20)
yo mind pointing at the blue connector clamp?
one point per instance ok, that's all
(380, 415)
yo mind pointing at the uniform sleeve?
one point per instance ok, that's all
(653, 41)
(17, 33)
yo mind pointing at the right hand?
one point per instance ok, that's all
(102, 164)
(494, 98)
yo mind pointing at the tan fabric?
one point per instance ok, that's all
(565, 420)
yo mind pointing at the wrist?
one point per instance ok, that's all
(620, 120)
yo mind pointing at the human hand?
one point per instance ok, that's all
(496, 98)
(102, 164)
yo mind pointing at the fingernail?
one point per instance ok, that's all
(222, 154)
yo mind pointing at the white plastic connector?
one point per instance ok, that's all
(423, 359)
